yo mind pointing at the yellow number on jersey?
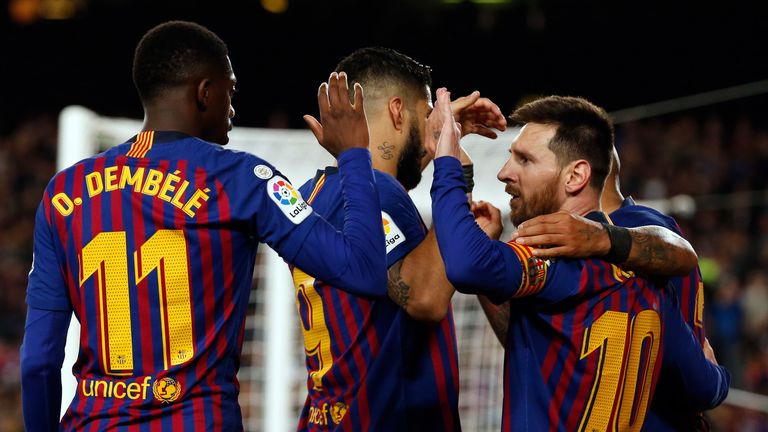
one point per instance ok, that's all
(106, 257)
(317, 339)
(617, 374)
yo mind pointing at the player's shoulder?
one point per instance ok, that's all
(390, 189)
(237, 163)
(640, 215)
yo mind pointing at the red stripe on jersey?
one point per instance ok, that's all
(453, 359)
(442, 392)
(685, 299)
(76, 295)
(371, 334)
(550, 358)
(142, 288)
(47, 208)
(117, 225)
(209, 303)
(569, 367)
(590, 370)
(96, 228)
(359, 359)
(198, 407)
(342, 367)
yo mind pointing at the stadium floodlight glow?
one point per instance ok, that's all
(275, 6)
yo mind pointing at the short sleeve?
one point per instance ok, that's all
(47, 287)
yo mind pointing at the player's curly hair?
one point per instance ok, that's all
(380, 69)
(584, 131)
(172, 53)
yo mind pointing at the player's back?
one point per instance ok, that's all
(667, 412)
(583, 349)
(370, 365)
(159, 245)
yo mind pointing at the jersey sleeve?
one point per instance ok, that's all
(403, 230)
(352, 259)
(47, 287)
(700, 384)
(41, 356)
(475, 264)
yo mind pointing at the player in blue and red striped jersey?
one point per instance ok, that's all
(152, 245)
(669, 410)
(583, 350)
(378, 363)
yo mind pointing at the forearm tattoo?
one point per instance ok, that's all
(649, 250)
(387, 150)
(397, 289)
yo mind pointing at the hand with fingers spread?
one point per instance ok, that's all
(563, 234)
(476, 115)
(342, 124)
(488, 218)
(450, 132)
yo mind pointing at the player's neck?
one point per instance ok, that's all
(385, 148)
(611, 198)
(585, 202)
(170, 117)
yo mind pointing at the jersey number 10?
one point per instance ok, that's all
(621, 378)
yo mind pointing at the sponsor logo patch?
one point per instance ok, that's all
(392, 234)
(166, 389)
(262, 172)
(337, 412)
(288, 199)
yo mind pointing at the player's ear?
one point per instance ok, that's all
(578, 173)
(396, 110)
(202, 94)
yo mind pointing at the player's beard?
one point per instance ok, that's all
(534, 204)
(409, 164)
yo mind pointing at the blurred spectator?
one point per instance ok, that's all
(27, 162)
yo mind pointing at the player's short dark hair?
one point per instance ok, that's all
(385, 67)
(172, 53)
(584, 131)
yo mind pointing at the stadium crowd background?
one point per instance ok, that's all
(717, 154)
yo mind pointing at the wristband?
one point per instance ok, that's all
(469, 175)
(621, 244)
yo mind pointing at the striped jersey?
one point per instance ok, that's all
(666, 412)
(370, 365)
(583, 349)
(689, 289)
(152, 244)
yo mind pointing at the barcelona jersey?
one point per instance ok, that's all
(583, 349)
(586, 339)
(370, 365)
(152, 244)
(667, 411)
